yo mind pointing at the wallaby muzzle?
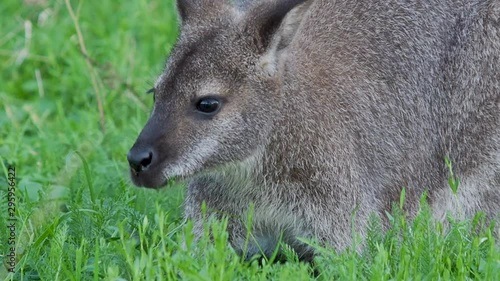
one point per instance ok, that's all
(147, 156)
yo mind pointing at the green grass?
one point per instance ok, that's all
(79, 217)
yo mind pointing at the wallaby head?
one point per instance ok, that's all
(216, 101)
(314, 110)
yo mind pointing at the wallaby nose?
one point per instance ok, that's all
(139, 160)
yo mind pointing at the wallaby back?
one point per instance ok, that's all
(325, 110)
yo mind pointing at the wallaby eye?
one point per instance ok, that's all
(208, 105)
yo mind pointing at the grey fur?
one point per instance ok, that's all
(343, 105)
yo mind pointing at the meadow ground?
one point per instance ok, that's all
(72, 84)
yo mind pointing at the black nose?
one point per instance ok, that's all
(139, 160)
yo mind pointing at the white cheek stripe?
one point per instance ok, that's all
(192, 160)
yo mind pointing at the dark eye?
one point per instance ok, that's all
(208, 105)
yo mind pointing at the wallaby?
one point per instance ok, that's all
(317, 113)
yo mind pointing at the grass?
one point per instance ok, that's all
(71, 91)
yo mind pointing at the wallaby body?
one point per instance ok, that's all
(326, 109)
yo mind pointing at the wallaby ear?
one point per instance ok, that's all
(272, 20)
(191, 10)
(184, 8)
(273, 25)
